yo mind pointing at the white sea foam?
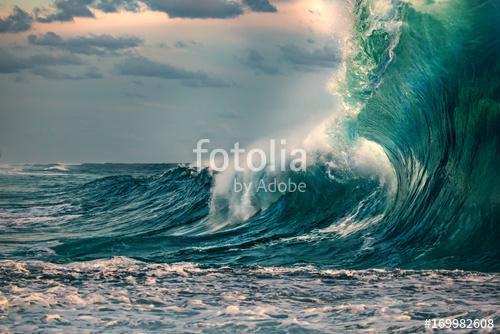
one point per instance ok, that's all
(112, 295)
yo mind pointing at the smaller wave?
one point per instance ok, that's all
(36, 169)
(63, 167)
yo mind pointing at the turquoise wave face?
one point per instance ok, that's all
(421, 82)
(436, 112)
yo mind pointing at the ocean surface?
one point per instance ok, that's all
(399, 222)
(112, 248)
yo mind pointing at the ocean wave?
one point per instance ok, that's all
(407, 178)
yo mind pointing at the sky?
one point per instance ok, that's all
(143, 81)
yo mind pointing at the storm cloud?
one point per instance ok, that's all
(87, 45)
(67, 10)
(51, 74)
(64, 10)
(18, 21)
(113, 6)
(42, 65)
(260, 6)
(218, 9)
(254, 60)
(325, 57)
(197, 9)
(144, 67)
(10, 63)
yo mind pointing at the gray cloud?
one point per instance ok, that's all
(112, 6)
(326, 57)
(180, 44)
(50, 74)
(51, 60)
(88, 45)
(64, 10)
(144, 67)
(93, 73)
(68, 10)
(196, 9)
(185, 44)
(206, 81)
(41, 64)
(10, 63)
(260, 6)
(256, 61)
(141, 66)
(18, 21)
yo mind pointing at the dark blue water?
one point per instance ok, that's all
(130, 248)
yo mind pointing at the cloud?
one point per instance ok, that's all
(93, 73)
(51, 60)
(256, 61)
(220, 9)
(88, 45)
(185, 44)
(18, 21)
(325, 57)
(68, 10)
(206, 81)
(41, 64)
(10, 63)
(50, 74)
(113, 6)
(260, 6)
(180, 44)
(141, 66)
(144, 67)
(64, 10)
